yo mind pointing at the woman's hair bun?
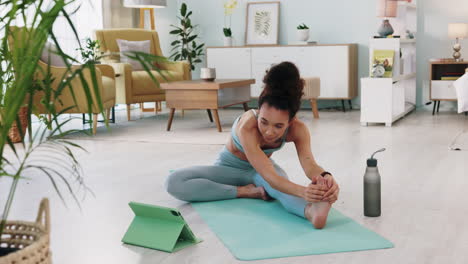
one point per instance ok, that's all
(283, 88)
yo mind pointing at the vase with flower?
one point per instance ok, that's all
(228, 10)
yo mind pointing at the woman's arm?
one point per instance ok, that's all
(301, 137)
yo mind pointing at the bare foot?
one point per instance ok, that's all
(252, 191)
(317, 213)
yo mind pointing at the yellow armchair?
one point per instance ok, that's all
(105, 77)
(136, 86)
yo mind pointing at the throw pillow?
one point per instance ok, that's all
(128, 46)
(49, 55)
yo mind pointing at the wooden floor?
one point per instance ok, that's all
(424, 186)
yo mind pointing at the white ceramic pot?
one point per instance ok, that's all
(302, 34)
(227, 41)
(208, 74)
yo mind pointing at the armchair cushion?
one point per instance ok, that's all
(178, 66)
(108, 89)
(51, 50)
(143, 84)
(126, 46)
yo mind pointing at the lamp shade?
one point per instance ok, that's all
(387, 8)
(145, 3)
(458, 30)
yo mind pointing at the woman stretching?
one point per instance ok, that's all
(244, 169)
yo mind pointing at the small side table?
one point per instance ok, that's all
(443, 72)
(199, 94)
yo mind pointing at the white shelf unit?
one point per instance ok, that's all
(385, 100)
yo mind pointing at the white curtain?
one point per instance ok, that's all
(86, 19)
(86, 16)
(115, 15)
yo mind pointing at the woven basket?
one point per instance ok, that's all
(14, 132)
(32, 238)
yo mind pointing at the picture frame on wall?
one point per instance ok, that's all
(262, 25)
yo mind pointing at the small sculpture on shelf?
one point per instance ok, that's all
(409, 34)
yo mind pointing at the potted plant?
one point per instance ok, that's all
(186, 47)
(227, 37)
(46, 152)
(302, 32)
(91, 51)
(228, 10)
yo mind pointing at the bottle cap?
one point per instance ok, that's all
(373, 162)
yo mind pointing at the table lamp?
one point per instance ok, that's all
(385, 9)
(145, 5)
(457, 31)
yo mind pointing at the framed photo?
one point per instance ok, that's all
(262, 24)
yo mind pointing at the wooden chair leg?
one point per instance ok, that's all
(49, 118)
(156, 107)
(95, 117)
(160, 106)
(128, 112)
(313, 102)
(108, 112)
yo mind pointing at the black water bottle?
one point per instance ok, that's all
(372, 187)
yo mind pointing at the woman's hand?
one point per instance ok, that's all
(316, 191)
(333, 189)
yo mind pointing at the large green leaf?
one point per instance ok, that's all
(188, 23)
(175, 31)
(190, 39)
(183, 9)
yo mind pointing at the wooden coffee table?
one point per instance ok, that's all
(199, 94)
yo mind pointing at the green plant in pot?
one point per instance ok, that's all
(90, 52)
(185, 48)
(45, 151)
(302, 32)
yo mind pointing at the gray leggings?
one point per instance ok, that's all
(220, 182)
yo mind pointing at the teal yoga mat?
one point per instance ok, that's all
(255, 229)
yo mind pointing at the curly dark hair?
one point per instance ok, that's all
(283, 88)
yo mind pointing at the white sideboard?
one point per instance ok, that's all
(336, 65)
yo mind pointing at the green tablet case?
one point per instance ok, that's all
(158, 228)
